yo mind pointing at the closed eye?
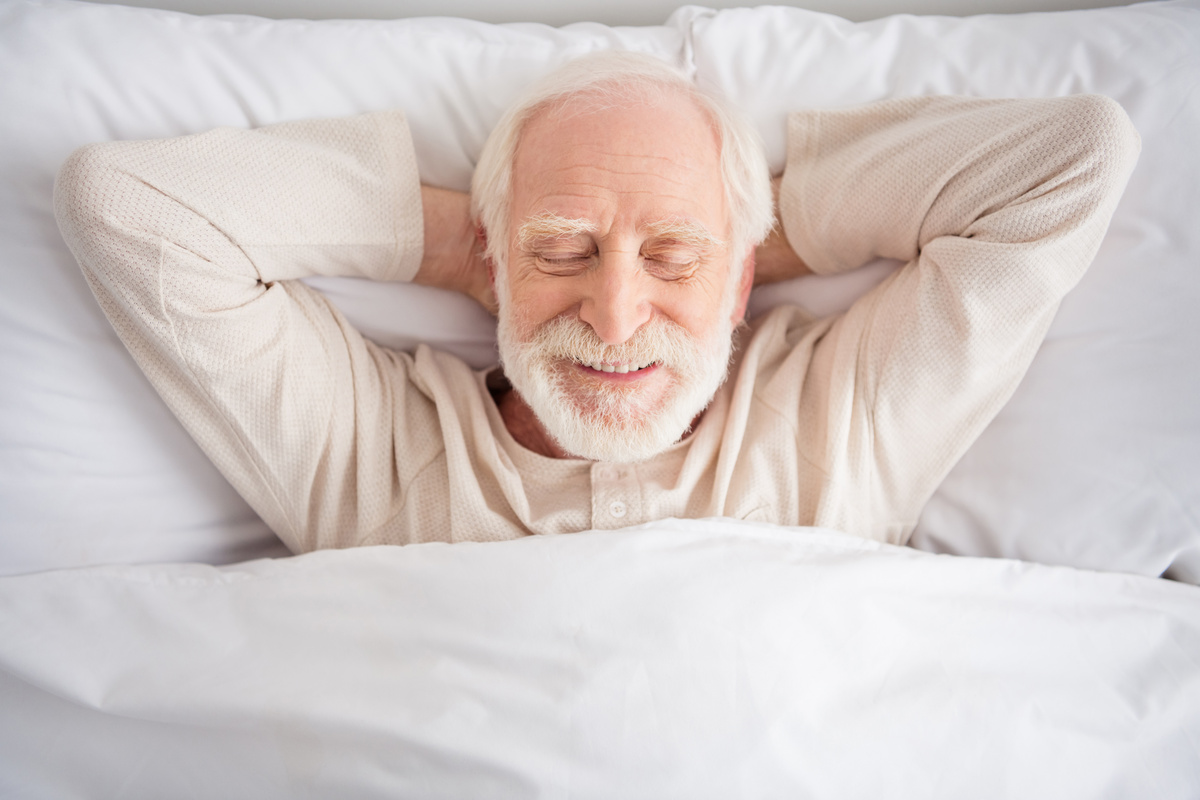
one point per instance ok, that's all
(670, 270)
(564, 263)
(670, 264)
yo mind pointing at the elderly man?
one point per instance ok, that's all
(617, 217)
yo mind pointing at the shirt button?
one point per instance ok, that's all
(617, 509)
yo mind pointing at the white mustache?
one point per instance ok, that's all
(659, 341)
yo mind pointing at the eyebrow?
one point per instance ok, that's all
(551, 226)
(683, 231)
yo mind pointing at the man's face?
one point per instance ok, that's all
(616, 307)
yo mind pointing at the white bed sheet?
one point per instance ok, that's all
(699, 659)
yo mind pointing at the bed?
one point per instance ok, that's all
(1040, 638)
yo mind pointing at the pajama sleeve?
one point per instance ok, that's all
(997, 207)
(190, 246)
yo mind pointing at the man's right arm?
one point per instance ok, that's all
(190, 245)
(454, 253)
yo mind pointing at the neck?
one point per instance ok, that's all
(524, 426)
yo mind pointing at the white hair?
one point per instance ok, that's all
(614, 79)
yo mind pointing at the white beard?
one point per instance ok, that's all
(619, 422)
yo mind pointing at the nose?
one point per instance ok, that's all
(618, 302)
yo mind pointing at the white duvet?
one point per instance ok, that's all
(699, 659)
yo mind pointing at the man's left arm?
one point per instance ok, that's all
(998, 207)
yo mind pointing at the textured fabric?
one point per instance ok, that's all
(850, 422)
(682, 660)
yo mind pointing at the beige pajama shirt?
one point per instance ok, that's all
(193, 247)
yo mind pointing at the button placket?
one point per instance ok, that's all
(611, 497)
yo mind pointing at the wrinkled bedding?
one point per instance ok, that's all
(689, 659)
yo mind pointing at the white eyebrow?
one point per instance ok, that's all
(548, 225)
(551, 226)
(684, 231)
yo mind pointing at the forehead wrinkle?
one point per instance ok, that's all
(624, 157)
(682, 158)
(636, 164)
(591, 175)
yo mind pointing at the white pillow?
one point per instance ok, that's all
(1096, 461)
(1093, 464)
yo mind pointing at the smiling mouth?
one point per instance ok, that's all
(619, 369)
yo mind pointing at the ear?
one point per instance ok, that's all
(744, 287)
(481, 241)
